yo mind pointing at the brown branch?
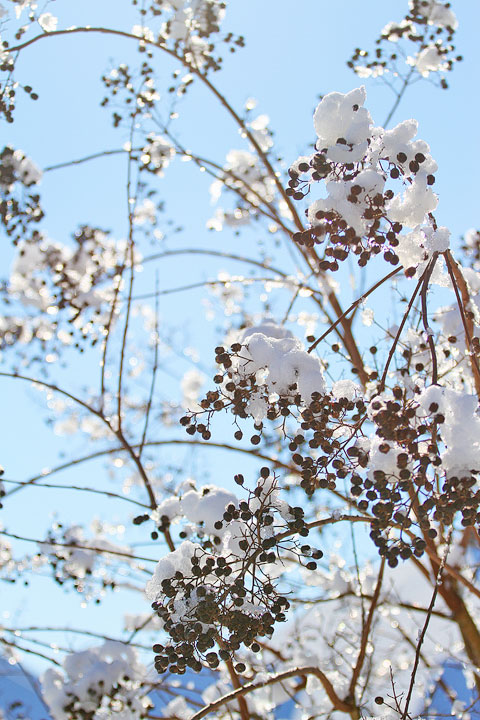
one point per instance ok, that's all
(235, 680)
(366, 632)
(428, 330)
(399, 332)
(424, 629)
(348, 340)
(337, 702)
(459, 284)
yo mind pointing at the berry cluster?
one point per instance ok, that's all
(428, 27)
(227, 599)
(329, 227)
(416, 492)
(138, 88)
(20, 207)
(317, 450)
(235, 392)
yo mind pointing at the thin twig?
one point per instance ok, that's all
(400, 94)
(425, 626)
(87, 158)
(428, 330)
(154, 374)
(77, 546)
(352, 307)
(107, 493)
(366, 632)
(399, 332)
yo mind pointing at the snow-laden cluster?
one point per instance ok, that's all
(377, 182)
(267, 370)
(280, 365)
(180, 560)
(20, 208)
(189, 25)
(430, 59)
(434, 12)
(52, 282)
(80, 558)
(192, 18)
(48, 22)
(75, 272)
(460, 430)
(145, 213)
(268, 374)
(423, 38)
(157, 154)
(419, 467)
(15, 166)
(106, 682)
(244, 174)
(224, 583)
(201, 508)
(267, 366)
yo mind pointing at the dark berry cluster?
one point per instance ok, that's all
(416, 495)
(320, 456)
(332, 230)
(234, 393)
(406, 503)
(228, 600)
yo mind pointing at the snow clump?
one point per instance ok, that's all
(98, 683)
(280, 364)
(378, 195)
(460, 430)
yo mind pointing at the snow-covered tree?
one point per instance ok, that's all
(281, 522)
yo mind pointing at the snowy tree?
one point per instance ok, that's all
(281, 513)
